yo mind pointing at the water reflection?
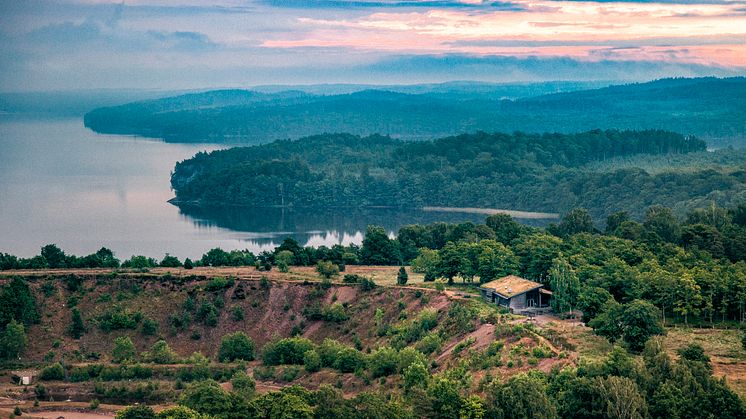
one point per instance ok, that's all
(265, 228)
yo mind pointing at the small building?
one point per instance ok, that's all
(516, 293)
(24, 377)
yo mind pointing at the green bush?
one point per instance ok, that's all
(264, 373)
(219, 283)
(119, 318)
(161, 353)
(415, 329)
(237, 314)
(541, 352)
(180, 412)
(367, 285)
(52, 372)
(40, 391)
(332, 313)
(243, 385)
(290, 373)
(328, 352)
(236, 346)
(352, 279)
(189, 303)
(143, 392)
(430, 343)
(327, 269)
(208, 313)
(286, 351)
(194, 373)
(416, 376)
(311, 360)
(48, 289)
(136, 412)
(349, 359)
(409, 356)
(124, 349)
(207, 397)
(495, 348)
(149, 327)
(383, 361)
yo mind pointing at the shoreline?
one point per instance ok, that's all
(492, 211)
(532, 215)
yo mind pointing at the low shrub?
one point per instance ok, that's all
(219, 283)
(331, 313)
(52, 372)
(237, 314)
(290, 373)
(149, 327)
(118, 318)
(352, 279)
(312, 361)
(367, 284)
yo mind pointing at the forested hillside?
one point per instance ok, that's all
(713, 109)
(522, 172)
(289, 330)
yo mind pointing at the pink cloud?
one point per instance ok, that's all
(564, 23)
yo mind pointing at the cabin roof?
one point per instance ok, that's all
(25, 373)
(511, 285)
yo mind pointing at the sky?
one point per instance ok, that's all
(187, 44)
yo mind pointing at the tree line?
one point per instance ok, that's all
(532, 172)
(691, 269)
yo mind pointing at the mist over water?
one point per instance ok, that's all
(61, 183)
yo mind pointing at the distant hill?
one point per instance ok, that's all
(70, 104)
(710, 108)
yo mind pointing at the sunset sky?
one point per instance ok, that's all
(192, 44)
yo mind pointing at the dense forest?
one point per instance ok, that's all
(710, 108)
(548, 173)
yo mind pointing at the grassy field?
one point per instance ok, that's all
(382, 275)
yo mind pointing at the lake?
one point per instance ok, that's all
(62, 183)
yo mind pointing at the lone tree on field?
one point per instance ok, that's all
(402, 277)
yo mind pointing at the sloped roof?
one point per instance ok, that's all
(25, 373)
(511, 285)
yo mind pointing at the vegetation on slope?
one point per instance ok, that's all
(707, 107)
(135, 336)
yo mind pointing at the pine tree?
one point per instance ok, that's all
(402, 277)
(77, 327)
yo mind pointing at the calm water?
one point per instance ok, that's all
(61, 183)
